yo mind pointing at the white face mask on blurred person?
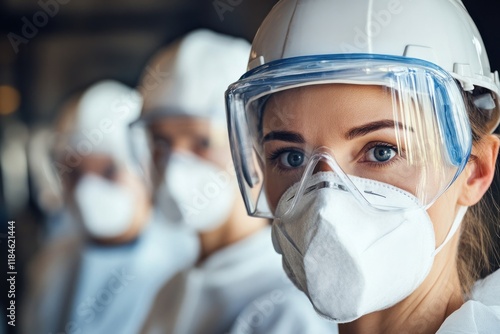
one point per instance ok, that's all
(106, 208)
(196, 192)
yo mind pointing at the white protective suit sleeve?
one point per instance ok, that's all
(480, 314)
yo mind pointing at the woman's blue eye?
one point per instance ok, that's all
(292, 159)
(381, 153)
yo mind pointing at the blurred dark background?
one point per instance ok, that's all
(84, 41)
(51, 48)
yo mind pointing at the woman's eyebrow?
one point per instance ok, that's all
(374, 126)
(292, 137)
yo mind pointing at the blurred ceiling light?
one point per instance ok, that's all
(10, 99)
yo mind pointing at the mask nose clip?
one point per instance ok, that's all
(322, 185)
(321, 161)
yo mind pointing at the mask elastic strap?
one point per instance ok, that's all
(454, 228)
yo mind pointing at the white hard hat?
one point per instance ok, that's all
(189, 77)
(417, 50)
(102, 117)
(438, 31)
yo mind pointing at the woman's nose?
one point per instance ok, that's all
(322, 166)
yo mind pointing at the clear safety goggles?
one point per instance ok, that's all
(396, 121)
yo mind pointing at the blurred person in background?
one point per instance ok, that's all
(103, 279)
(237, 285)
(45, 183)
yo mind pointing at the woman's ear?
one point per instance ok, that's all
(480, 170)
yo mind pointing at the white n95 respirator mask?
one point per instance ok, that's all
(196, 192)
(350, 261)
(106, 208)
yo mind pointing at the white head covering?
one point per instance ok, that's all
(103, 114)
(189, 77)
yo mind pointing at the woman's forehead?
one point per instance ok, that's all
(343, 94)
(341, 104)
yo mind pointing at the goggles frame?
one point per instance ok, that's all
(246, 97)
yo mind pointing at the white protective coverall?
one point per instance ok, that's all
(239, 289)
(78, 287)
(481, 313)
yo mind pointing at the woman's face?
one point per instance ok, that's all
(359, 131)
(355, 122)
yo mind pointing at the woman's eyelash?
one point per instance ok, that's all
(274, 155)
(395, 148)
(277, 153)
(399, 155)
(399, 151)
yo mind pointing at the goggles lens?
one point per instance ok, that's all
(392, 120)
